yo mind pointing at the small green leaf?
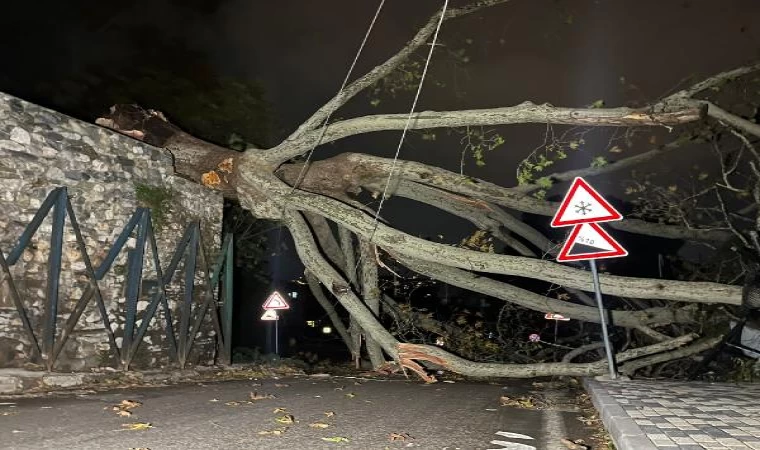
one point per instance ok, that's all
(597, 104)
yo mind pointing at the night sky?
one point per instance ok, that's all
(568, 53)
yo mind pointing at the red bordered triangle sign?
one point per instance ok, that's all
(590, 241)
(275, 301)
(582, 204)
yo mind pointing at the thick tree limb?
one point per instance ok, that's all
(540, 303)
(437, 356)
(371, 292)
(697, 347)
(194, 159)
(572, 354)
(372, 170)
(527, 112)
(316, 290)
(326, 240)
(400, 243)
(476, 211)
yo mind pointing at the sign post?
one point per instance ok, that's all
(583, 208)
(273, 303)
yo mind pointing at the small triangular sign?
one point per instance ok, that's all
(270, 314)
(582, 204)
(590, 241)
(275, 301)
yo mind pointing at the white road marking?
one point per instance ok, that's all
(507, 434)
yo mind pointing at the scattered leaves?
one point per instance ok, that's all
(279, 410)
(281, 385)
(319, 425)
(350, 395)
(524, 402)
(329, 414)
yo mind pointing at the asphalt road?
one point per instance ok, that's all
(365, 412)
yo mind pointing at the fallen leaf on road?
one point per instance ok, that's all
(286, 419)
(449, 381)
(340, 388)
(574, 445)
(275, 432)
(256, 396)
(319, 425)
(233, 403)
(8, 413)
(336, 439)
(279, 410)
(136, 426)
(124, 413)
(403, 437)
(350, 395)
(281, 385)
(214, 400)
(129, 404)
(329, 414)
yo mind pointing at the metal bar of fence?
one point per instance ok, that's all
(190, 260)
(32, 227)
(118, 244)
(134, 280)
(227, 296)
(158, 296)
(93, 289)
(36, 351)
(208, 299)
(54, 276)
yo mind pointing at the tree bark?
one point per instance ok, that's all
(337, 323)
(371, 292)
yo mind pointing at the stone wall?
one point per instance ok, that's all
(108, 176)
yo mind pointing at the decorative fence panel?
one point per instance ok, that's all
(215, 296)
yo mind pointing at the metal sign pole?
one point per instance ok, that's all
(277, 337)
(607, 346)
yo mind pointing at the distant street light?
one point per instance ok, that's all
(326, 330)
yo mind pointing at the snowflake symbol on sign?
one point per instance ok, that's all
(583, 208)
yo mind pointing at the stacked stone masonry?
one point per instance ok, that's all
(40, 150)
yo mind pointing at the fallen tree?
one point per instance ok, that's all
(306, 196)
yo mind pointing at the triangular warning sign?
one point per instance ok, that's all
(590, 241)
(270, 314)
(275, 301)
(582, 204)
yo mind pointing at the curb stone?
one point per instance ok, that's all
(20, 381)
(625, 433)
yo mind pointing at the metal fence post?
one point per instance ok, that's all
(227, 290)
(187, 304)
(134, 280)
(54, 277)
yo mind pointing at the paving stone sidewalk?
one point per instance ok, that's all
(648, 414)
